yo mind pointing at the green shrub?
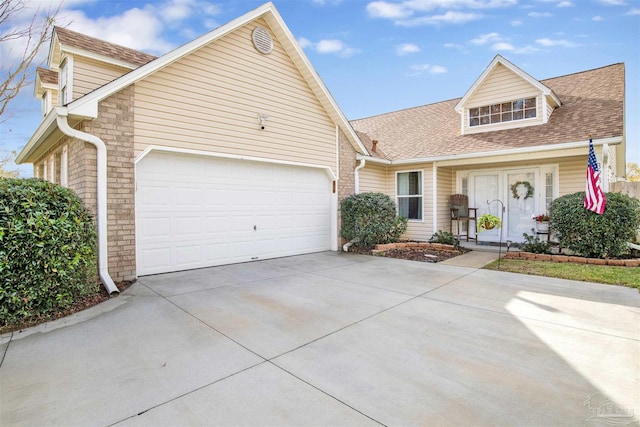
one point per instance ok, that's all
(535, 245)
(47, 249)
(591, 235)
(445, 238)
(371, 219)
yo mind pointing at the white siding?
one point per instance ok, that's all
(446, 187)
(373, 178)
(210, 101)
(89, 75)
(503, 85)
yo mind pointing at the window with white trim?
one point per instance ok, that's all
(519, 109)
(409, 194)
(63, 83)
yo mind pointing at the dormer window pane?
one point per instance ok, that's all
(505, 112)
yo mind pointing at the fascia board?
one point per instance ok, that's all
(47, 126)
(97, 57)
(515, 151)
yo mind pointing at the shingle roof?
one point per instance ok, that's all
(101, 47)
(592, 102)
(47, 76)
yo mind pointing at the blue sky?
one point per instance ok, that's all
(381, 56)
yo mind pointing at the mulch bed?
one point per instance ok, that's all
(412, 251)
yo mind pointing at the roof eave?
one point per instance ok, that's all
(46, 128)
(616, 140)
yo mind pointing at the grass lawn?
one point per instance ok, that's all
(625, 276)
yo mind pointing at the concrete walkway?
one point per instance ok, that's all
(332, 339)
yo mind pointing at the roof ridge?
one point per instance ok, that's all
(406, 109)
(582, 72)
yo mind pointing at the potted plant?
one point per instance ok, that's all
(488, 222)
(542, 222)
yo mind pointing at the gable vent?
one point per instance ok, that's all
(262, 40)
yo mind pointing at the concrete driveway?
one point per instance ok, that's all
(332, 339)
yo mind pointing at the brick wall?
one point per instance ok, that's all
(346, 183)
(114, 126)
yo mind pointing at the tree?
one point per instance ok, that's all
(24, 36)
(7, 158)
(633, 172)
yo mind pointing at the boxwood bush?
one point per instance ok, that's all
(47, 249)
(592, 235)
(371, 219)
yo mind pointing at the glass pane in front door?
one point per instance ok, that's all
(486, 188)
(521, 206)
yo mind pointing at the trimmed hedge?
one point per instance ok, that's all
(371, 218)
(47, 249)
(592, 235)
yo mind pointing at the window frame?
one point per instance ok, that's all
(65, 81)
(503, 112)
(419, 196)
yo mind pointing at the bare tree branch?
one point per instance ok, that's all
(32, 34)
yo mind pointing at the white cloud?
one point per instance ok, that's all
(634, 11)
(550, 43)
(486, 38)
(453, 46)
(503, 46)
(614, 2)
(597, 18)
(565, 4)
(327, 2)
(428, 5)
(329, 46)
(142, 28)
(448, 18)
(427, 68)
(516, 23)
(437, 69)
(540, 14)
(410, 13)
(406, 49)
(383, 9)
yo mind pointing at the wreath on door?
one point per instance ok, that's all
(514, 189)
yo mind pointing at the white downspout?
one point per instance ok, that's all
(356, 175)
(101, 217)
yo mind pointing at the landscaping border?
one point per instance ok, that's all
(573, 259)
(421, 245)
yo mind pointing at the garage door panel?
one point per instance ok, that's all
(195, 211)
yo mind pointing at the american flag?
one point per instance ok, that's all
(594, 198)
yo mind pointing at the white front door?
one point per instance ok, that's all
(521, 203)
(516, 190)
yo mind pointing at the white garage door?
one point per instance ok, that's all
(196, 211)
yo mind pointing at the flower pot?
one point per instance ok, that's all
(542, 227)
(488, 226)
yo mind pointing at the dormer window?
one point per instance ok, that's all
(504, 112)
(64, 82)
(46, 99)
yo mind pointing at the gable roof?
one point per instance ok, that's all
(48, 77)
(500, 60)
(593, 102)
(86, 107)
(84, 45)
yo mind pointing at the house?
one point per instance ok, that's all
(230, 148)
(510, 138)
